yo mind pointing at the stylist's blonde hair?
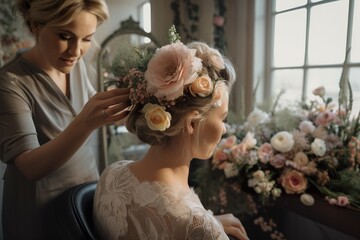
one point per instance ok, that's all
(58, 13)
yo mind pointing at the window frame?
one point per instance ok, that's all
(306, 67)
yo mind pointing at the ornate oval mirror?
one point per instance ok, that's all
(115, 142)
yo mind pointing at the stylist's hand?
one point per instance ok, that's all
(105, 108)
(232, 226)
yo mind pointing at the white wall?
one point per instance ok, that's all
(119, 10)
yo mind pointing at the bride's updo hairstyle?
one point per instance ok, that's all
(56, 13)
(211, 70)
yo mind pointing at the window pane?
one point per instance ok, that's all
(355, 48)
(326, 77)
(289, 81)
(289, 38)
(354, 78)
(286, 4)
(327, 37)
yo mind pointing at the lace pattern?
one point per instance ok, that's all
(125, 208)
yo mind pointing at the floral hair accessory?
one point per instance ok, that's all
(172, 68)
(160, 79)
(156, 117)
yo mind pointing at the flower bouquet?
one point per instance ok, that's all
(311, 150)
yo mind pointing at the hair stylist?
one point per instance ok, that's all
(49, 110)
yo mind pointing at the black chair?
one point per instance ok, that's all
(69, 216)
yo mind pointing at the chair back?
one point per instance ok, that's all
(69, 216)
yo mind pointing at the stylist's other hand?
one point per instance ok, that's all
(105, 108)
(232, 226)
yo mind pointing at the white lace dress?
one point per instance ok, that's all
(125, 208)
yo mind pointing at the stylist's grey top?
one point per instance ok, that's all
(33, 111)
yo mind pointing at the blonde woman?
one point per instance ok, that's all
(49, 109)
(180, 104)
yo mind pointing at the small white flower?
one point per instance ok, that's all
(318, 147)
(231, 170)
(259, 174)
(282, 141)
(307, 199)
(276, 192)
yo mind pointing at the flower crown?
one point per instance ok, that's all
(162, 78)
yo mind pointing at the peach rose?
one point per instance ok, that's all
(172, 67)
(156, 117)
(301, 159)
(202, 86)
(293, 181)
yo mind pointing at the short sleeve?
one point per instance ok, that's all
(18, 132)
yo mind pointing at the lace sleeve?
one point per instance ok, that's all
(205, 226)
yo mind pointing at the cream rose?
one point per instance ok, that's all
(172, 67)
(282, 141)
(156, 117)
(202, 86)
(293, 181)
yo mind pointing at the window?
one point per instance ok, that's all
(308, 46)
(145, 18)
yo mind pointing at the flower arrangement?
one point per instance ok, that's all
(312, 150)
(157, 80)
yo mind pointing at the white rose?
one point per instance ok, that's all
(282, 141)
(318, 147)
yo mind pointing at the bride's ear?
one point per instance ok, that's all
(192, 121)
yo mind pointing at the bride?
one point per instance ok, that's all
(180, 103)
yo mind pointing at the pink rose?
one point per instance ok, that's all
(293, 181)
(238, 150)
(172, 67)
(277, 161)
(320, 91)
(228, 142)
(342, 201)
(265, 152)
(324, 118)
